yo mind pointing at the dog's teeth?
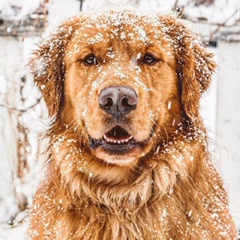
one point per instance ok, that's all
(105, 138)
(127, 140)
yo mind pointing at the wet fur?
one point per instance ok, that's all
(169, 189)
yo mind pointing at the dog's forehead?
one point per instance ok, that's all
(123, 26)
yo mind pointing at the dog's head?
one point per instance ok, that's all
(122, 82)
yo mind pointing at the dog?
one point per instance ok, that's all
(128, 151)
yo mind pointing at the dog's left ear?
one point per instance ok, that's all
(195, 64)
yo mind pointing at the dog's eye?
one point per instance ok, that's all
(90, 60)
(149, 59)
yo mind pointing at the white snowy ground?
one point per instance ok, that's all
(223, 10)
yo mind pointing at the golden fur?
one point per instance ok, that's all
(165, 186)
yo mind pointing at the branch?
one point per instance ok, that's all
(21, 110)
(223, 24)
(81, 5)
(175, 6)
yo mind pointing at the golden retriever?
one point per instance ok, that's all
(128, 156)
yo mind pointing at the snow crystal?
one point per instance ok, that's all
(157, 150)
(189, 213)
(40, 66)
(43, 87)
(96, 84)
(97, 38)
(123, 36)
(138, 69)
(140, 84)
(173, 122)
(191, 158)
(111, 55)
(139, 55)
(169, 105)
(83, 168)
(76, 47)
(69, 141)
(142, 34)
(170, 191)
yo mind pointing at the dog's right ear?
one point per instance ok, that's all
(48, 68)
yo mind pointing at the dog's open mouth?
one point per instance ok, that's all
(117, 136)
(115, 141)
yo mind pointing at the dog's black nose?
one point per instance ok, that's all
(118, 101)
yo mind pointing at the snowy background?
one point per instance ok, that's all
(23, 116)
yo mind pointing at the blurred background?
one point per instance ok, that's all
(23, 115)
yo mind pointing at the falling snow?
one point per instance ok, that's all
(42, 64)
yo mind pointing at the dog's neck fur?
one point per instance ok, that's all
(105, 209)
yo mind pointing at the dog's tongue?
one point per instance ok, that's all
(117, 134)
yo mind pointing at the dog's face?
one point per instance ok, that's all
(122, 82)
